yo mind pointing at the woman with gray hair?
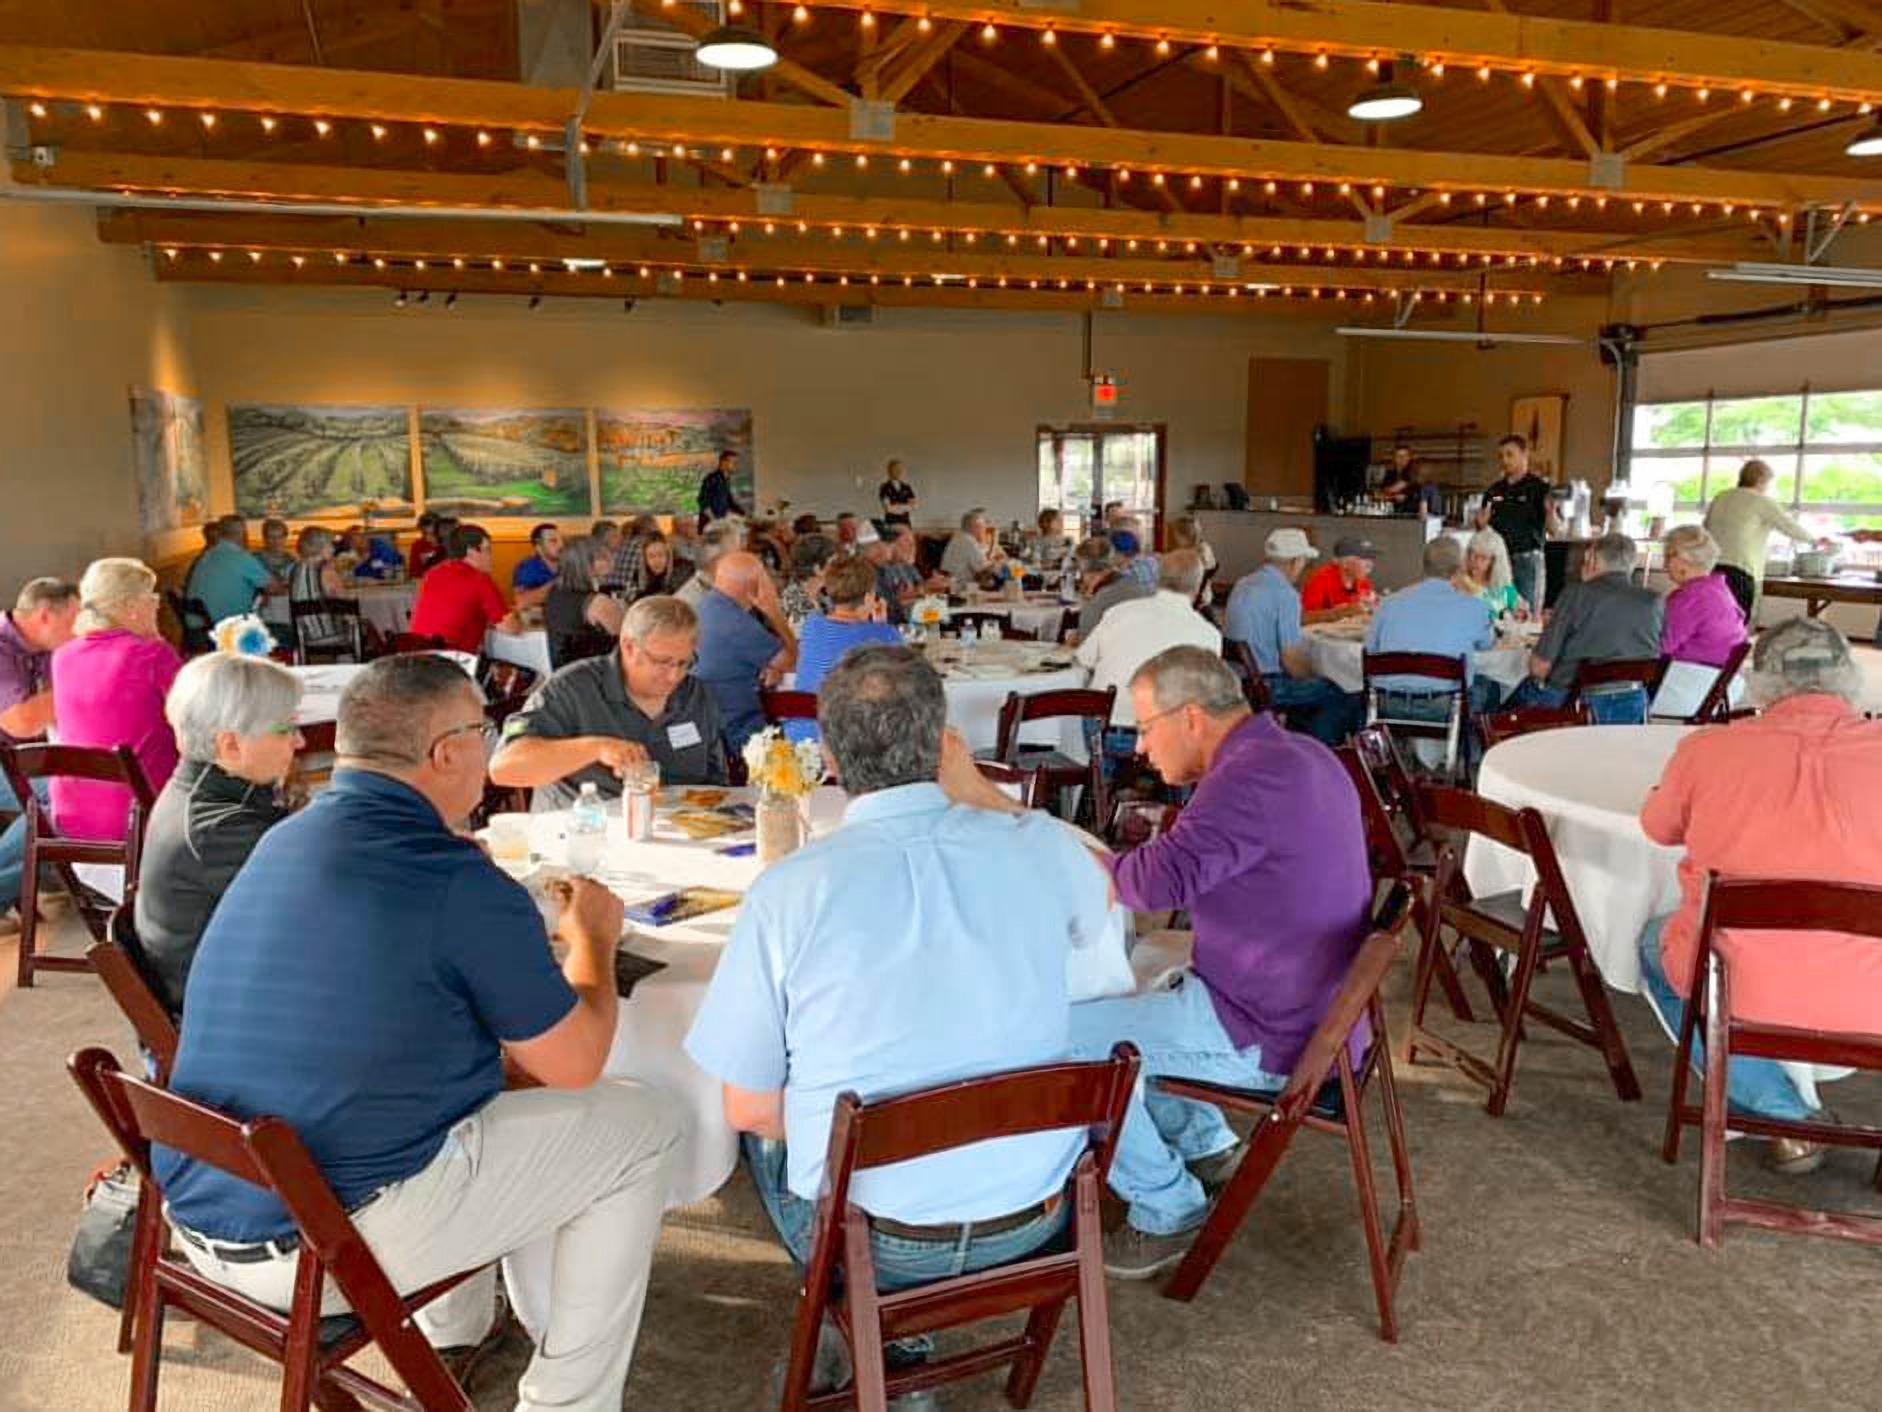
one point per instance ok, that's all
(1795, 792)
(108, 685)
(234, 723)
(1703, 622)
(1487, 575)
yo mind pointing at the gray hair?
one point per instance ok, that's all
(721, 537)
(109, 585)
(44, 593)
(576, 569)
(221, 691)
(967, 520)
(1693, 544)
(1615, 553)
(882, 711)
(1181, 571)
(1182, 676)
(1442, 558)
(658, 613)
(387, 710)
(1802, 657)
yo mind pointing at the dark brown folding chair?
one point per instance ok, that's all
(1449, 670)
(414, 642)
(782, 706)
(1752, 904)
(1503, 922)
(840, 1276)
(1495, 727)
(1326, 1092)
(312, 1351)
(1024, 785)
(46, 846)
(1591, 677)
(1092, 709)
(1254, 686)
(1715, 707)
(1385, 852)
(346, 612)
(192, 621)
(1135, 822)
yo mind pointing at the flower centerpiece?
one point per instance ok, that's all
(1015, 579)
(929, 612)
(244, 635)
(785, 772)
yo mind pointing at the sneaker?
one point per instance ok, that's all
(1131, 1254)
(1215, 1170)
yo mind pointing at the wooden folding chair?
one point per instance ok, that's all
(1495, 727)
(1787, 905)
(346, 611)
(1715, 707)
(1385, 852)
(46, 846)
(414, 642)
(312, 1351)
(1024, 785)
(840, 1277)
(1503, 922)
(193, 622)
(782, 706)
(1092, 709)
(1452, 671)
(1591, 678)
(1326, 1091)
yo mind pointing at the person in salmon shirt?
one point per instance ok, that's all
(108, 687)
(1795, 792)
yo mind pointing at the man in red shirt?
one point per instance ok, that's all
(1341, 587)
(457, 599)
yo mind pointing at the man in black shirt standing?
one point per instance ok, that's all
(897, 496)
(715, 491)
(1517, 507)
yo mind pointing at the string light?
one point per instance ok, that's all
(208, 120)
(801, 15)
(988, 34)
(1107, 41)
(38, 109)
(1163, 45)
(1048, 36)
(97, 114)
(154, 115)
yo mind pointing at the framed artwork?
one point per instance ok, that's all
(167, 455)
(652, 461)
(312, 462)
(1539, 421)
(530, 463)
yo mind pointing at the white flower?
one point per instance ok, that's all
(810, 761)
(928, 611)
(757, 747)
(243, 635)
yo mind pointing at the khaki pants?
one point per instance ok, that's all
(580, 1174)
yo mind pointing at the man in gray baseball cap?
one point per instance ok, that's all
(1264, 615)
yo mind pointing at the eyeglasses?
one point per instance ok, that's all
(443, 736)
(283, 728)
(669, 664)
(1144, 723)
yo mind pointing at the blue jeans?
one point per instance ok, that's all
(1335, 714)
(13, 842)
(900, 1262)
(1529, 575)
(1757, 1086)
(1435, 706)
(1624, 705)
(1177, 1033)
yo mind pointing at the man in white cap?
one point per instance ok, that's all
(1264, 614)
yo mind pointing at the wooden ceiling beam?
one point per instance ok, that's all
(921, 61)
(108, 172)
(1363, 29)
(160, 81)
(1101, 110)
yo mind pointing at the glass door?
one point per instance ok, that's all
(1084, 468)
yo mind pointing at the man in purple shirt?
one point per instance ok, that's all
(41, 620)
(1269, 859)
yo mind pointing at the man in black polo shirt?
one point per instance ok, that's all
(1517, 507)
(897, 497)
(593, 718)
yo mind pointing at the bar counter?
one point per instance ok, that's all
(1238, 537)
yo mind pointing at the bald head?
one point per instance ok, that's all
(738, 575)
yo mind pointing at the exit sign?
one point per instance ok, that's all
(1104, 396)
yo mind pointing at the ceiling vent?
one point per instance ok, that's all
(653, 56)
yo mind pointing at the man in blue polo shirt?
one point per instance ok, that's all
(740, 655)
(382, 1038)
(1264, 614)
(1434, 616)
(531, 578)
(226, 578)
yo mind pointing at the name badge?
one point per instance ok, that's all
(683, 735)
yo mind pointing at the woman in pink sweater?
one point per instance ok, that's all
(1703, 621)
(108, 688)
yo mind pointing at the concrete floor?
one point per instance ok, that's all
(1559, 1269)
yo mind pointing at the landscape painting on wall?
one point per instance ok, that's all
(653, 461)
(531, 463)
(167, 451)
(320, 462)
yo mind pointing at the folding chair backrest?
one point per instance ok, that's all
(414, 642)
(788, 705)
(1645, 672)
(1466, 812)
(1790, 905)
(1498, 726)
(1024, 785)
(1382, 841)
(1379, 755)
(1717, 702)
(1412, 664)
(120, 962)
(1021, 707)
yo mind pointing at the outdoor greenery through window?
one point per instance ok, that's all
(1825, 449)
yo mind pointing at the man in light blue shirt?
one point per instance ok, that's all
(226, 577)
(1434, 616)
(1264, 615)
(924, 941)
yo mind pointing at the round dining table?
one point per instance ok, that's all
(387, 606)
(1338, 649)
(979, 676)
(1041, 615)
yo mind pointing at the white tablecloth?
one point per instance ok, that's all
(978, 678)
(1338, 654)
(529, 648)
(1039, 614)
(322, 683)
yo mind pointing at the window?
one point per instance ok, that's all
(1081, 469)
(1824, 447)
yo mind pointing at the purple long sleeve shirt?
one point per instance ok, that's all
(1703, 622)
(1270, 859)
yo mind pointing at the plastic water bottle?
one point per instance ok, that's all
(588, 831)
(970, 632)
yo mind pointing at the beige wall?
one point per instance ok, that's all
(79, 324)
(957, 394)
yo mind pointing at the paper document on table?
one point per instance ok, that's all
(681, 905)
